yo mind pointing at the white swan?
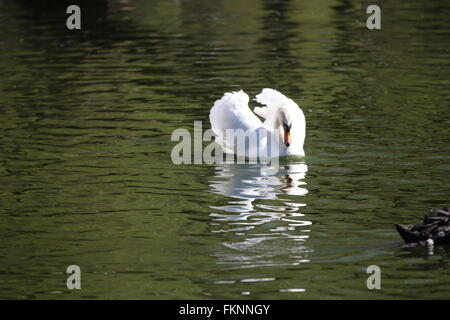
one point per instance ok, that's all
(281, 134)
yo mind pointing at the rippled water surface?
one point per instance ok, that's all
(87, 179)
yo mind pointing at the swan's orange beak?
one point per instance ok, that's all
(287, 137)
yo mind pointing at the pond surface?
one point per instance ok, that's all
(87, 179)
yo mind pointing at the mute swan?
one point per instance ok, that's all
(281, 134)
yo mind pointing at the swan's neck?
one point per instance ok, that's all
(278, 128)
(277, 122)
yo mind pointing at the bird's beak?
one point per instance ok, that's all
(287, 137)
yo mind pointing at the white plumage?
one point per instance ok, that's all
(282, 132)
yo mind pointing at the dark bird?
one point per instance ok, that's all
(433, 230)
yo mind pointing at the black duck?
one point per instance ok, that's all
(433, 230)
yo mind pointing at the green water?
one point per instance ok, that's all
(87, 179)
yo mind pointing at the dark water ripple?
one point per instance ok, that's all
(87, 179)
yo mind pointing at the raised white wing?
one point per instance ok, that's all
(232, 112)
(273, 100)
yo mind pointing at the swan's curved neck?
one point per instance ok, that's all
(280, 118)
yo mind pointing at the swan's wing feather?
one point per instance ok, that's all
(273, 99)
(261, 111)
(232, 112)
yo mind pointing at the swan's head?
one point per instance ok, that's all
(284, 124)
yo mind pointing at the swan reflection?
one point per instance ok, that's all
(261, 219)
